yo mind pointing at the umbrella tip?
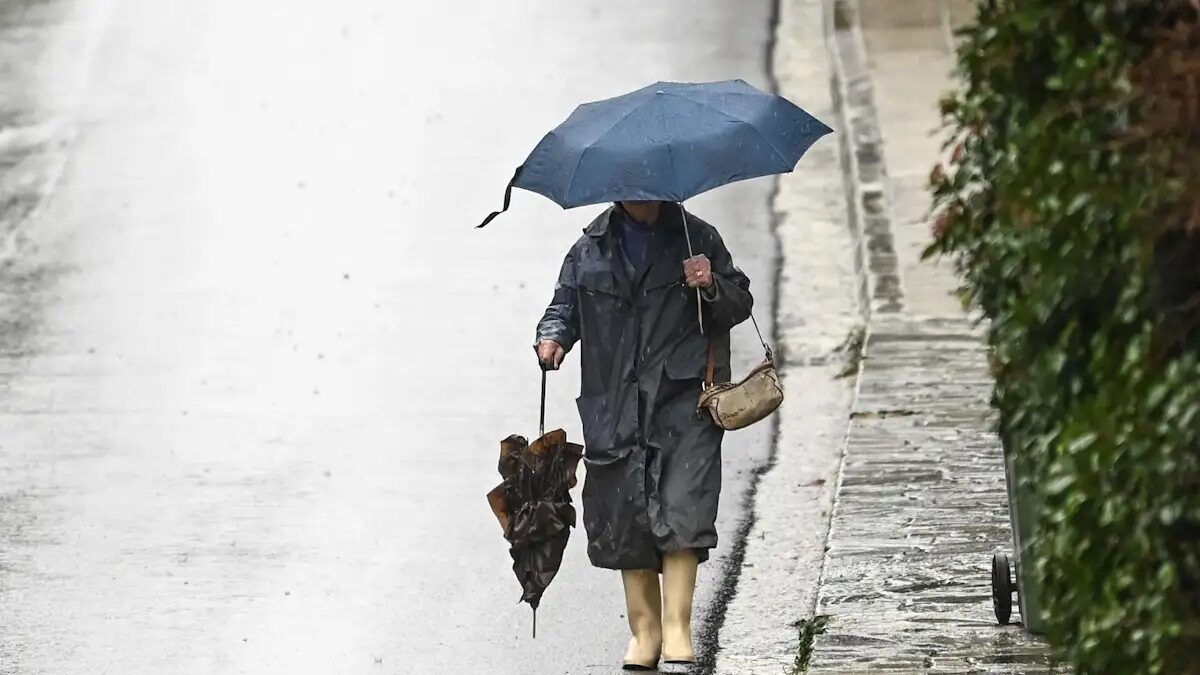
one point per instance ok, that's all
(535, 623)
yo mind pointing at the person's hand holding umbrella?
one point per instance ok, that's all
(697, 270)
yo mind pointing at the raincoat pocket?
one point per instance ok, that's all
(609, 425)
(688, 360)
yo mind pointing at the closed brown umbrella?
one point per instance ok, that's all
(533, 505)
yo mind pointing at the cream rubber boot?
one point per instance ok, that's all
(679, 584)
(644, 602)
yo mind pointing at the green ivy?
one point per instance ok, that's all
(1066, 210)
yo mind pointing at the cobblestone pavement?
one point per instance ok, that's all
(921, 505)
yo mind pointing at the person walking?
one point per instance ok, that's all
(627, 294)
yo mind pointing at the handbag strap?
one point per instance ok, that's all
(766, 347)
(712, 363)
(711, 368)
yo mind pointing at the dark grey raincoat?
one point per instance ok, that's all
(653, 462)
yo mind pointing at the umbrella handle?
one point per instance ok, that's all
(691, 254)
(542, 412)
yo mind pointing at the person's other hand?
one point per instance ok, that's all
(697, 270)
(550, 354)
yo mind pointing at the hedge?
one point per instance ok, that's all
(1071, 208)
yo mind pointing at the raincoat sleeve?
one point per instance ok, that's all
(728, 300)
(560, 323)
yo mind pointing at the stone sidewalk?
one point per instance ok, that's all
(920, 508)
(921, 504)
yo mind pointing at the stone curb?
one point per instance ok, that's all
(881, 290)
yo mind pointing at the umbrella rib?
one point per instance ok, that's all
(566, 198)
(738, 119)
(589, 146)
(674, 171)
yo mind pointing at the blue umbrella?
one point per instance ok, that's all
(669, 141)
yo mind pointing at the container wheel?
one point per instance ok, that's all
(1002, 587)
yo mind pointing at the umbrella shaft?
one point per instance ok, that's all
(687, 235)
(542, 411)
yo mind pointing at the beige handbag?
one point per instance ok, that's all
(736, 405)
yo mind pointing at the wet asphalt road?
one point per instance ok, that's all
(254, 361)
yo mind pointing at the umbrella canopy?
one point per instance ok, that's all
(669, 141)
(533, 505)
